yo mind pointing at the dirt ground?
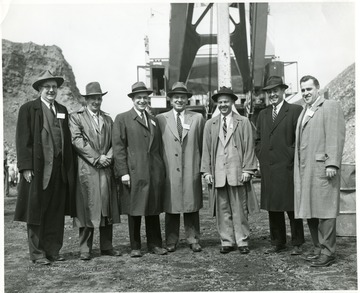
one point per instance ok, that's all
(182, 270)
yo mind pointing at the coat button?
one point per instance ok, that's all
(175, 139)
(178, 169)
(176, 155)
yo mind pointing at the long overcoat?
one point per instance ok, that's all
(138, 152)
(319, 144)
(275, 149)
(183, 187)
(30, 156)
(96, 193)
(243, 142)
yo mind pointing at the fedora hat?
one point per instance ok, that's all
(139, 87)
(224, 91)
(274, 81)
(179, 88)
(44, 76)
(93, 88)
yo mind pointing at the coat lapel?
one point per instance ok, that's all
(151, 127)
(170, 118)
(281, 115)
(187, 120)
(314, 108)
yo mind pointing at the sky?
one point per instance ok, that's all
(105, 42)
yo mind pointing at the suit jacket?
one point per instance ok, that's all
(242, 146)
(319, 144)
(138, 152)
(96, 193)
(275, 148)
(34, 154)
(183, 187)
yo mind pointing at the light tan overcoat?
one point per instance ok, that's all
(183, 189)
(319, 144)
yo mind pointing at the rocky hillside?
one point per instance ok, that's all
(342, 89)
(21, 63)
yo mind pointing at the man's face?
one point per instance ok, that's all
(141, 101)
(48, 90)
(225, 104)
(179, 102)
(275, 95)
(309, 92)
(93, 103)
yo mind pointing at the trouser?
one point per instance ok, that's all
(191, 225)
(152, 228)
(46, 239)
(232, 215)
(323, 234)
(86, 235)
(278, 230)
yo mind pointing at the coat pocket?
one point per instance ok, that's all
(321, 157)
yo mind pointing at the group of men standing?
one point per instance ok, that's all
(70, 165)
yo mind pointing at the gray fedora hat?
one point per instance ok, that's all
(92, 89)
(274, 81)
(139, 87)
(44, 76)
(179, 88)
(224, 91)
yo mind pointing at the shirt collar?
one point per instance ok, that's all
(92, 113)
(46, 103)
(228, 117)
(317, 99)
(278, 107)
(139, 113)
(182, 113)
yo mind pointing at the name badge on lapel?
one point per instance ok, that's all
(231, 126)
(153, 122)
(60, 115)
(186, 126)
(310, 113)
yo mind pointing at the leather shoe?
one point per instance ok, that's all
(226, 249)
(56, 258)
(85, 256)
(311, 256)
(171, 248)
(244, 249)
(158, 250)
(135, 253)
(276, 249)
(195, 247)
(42, 261)
(111, 252)
(323, 261)
(297, 250)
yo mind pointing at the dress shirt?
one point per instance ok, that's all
(278, 107)
(182, 116)
(95, 116)
(228, 119)
(145, 118)
(47, 104)
(308, 111)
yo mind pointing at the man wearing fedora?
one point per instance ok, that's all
(96, 194)
(45, 161)
(275, 147)
(182, 132)
(228, 162)
(139, 165)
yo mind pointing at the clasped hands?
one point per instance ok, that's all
(103, 162)
(245, 177)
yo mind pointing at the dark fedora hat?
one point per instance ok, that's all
(224, 91)
(44, 76)
(274, 81)
(139, 87)
(92, 89)
(179, 88)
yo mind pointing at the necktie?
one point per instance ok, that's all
(52, 109)
(143, 118)
(274, 114)
(96, 119)
(224, 127)
(179, 126)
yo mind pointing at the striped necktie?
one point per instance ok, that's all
(224, 127)
(179, 126)
(274, 113)
(52, 109)
(142, 116)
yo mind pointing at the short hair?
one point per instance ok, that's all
(309, 77)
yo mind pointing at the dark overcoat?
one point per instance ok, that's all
(275, 149)
(30, 156)
(138, 152)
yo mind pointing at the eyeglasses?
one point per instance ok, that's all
(48, 87)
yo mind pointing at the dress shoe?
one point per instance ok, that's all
(171, 248)
(323, 261)
(42, 261)
(195, 247)
(111, 252)
(85, 256)
(297, 250)
(226, 249)
(55, 258)
(135, 253)
(276, 249)
(244, 249)
(312, 256)
(158, 250)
